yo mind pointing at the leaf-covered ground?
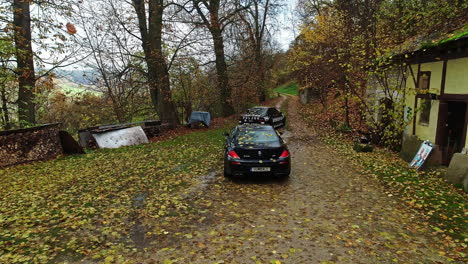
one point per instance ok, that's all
(166, 202)
(440, 206)
(100, 205)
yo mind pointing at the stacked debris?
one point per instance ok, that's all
(35, 143)
(119, 135)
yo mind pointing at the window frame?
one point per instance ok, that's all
(426, 103)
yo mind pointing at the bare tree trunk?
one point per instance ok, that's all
(158, 74)
(4, 110)
(260, 71)
(222, 71)
(214, 26)
(254, 21)
(25, 62)
(346, 106)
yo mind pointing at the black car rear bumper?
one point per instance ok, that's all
(244, 167)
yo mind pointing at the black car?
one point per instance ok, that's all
(264, 115)
(256, 149)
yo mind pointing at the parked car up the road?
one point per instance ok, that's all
(264, 115)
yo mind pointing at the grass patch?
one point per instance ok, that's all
(84, 207)
(425, 192)
(74, 89)
(289, 88)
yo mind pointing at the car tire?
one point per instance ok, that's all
(227, 175)
(285, 176)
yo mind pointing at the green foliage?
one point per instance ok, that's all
(192, 89)
(77, 112)
(8, 93)
(86, 206)
(338, 56)
(75, 90)
(288, 88)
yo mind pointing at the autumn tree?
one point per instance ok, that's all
(216, 15)
(24, 59)
(308, 9)
(150, 22)
(41, 30)
(192, 86)
(341, 54)
(255, 24)
(7, 81)
(115, 58)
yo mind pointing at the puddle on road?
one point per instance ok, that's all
(139, 200)
(138, 230)
(179, 168)
(138, 235)
(286, 134)
(202, 184)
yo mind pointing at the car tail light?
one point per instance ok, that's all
(233, 154)
(285, 154)
(235, 163)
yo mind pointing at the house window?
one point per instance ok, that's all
(423, 87)
(424, 81)
(425, 113)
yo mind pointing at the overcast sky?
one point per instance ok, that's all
(285, 34)
(287, 31)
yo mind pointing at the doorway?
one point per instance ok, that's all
(454, 129)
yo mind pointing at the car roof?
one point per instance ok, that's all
(254, 126)
(260, 107)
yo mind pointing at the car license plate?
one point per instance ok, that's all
(260, 169)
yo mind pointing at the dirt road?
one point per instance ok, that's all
(326, 212)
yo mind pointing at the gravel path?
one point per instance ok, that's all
(326, 212)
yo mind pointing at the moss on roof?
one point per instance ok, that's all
(457, 34)
(424, 42)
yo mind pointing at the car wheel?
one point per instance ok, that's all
(284, 176)
(227, 175)
(274, 124)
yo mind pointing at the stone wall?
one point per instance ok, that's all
(410, 147)
(457, 173)
(30, 144)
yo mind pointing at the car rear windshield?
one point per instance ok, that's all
(249, 136)
(257, 111)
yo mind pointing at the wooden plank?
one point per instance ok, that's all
(454, 97)
(441, 124)
(416, 100)
(444, 76)
(414, 114)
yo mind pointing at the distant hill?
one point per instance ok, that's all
(71, 88)
(84, 77)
